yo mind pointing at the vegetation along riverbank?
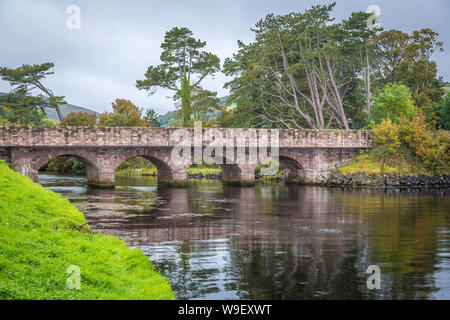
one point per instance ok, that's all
(42, 235)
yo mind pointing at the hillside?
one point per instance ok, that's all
(66, 109)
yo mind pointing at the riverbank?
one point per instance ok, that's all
(42, 235)
(387, 180)
(366, 171)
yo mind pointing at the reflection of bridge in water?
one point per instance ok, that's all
(286, 241)
(303, 153)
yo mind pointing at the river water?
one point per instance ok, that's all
(277, 241)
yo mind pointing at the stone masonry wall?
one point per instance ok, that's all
(26, 136)
(305, 153)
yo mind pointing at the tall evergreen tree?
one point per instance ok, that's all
(183, 67)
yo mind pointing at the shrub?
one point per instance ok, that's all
(4, 122)
(394, 101)
(431, 147)
(414, 138)
(388, 141)
(80, 119)
(46, 122)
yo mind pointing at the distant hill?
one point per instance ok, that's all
(65, 109)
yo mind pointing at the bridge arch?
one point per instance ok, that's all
(293, 170)
(231, 171)
(28, 161)
(168, 172)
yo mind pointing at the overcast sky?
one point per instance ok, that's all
(118, 40)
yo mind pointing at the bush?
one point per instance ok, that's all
(414, 137)
(125, 114)
(80, 119)
(431, 147)
(388, 141)
(393, 102)
(46, 122)
(4, 122)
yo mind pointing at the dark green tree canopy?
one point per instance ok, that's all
(181, 56)
(30, 77)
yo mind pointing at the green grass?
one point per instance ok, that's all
(40, 237)
(204, 170)
(447, 88)
(368, 163)
(138, 172)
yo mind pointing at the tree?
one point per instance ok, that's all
(152, 118)
(204, 102)
(30, 77)
(359, 39)
(298, 72)
(443, 110)
(125, 114)
(405, 58)
(393, 102)
(19, 107)
(80, 119)
(183, 67)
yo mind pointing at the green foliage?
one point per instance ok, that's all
(29, 77)
(405, 58)
(42, 234)
(443, 111)
(19, 107)
(388, 141)
(414, 141)
(135, 163)
(369, 163)
(46, 122)
(207, 166)
(185, 95)
(431, 147)
(125, 114)
(70, 165)
(4, 122)
(300, 70)
(152, 118)
(80, 119)
(181, 60)
(394, 101)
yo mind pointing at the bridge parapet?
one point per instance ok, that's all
(28, 136)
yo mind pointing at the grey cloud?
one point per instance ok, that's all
(118, 40)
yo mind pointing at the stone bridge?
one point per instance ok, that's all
(304, 154)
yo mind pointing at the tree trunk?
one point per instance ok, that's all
(368, 94)
(58, 111)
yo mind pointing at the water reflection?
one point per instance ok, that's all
(217, 241)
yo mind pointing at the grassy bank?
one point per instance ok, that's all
(369, 163)
(42, 234)
(137, 172)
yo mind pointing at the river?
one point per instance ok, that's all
(276, 241)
